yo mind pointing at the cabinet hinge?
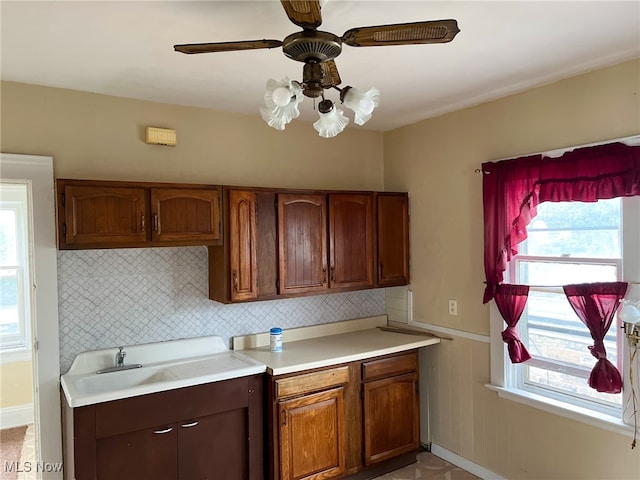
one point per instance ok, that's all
(275, 203)
(278, 284)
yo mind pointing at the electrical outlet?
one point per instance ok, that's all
(453, 307)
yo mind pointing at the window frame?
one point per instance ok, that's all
(504, 375)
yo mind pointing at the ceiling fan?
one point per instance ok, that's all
(317, 50)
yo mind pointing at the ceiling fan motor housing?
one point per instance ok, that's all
(312, 45)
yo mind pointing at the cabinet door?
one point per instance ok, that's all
(393, 239)
(215, 446)
(186, 214)
(350, 240)
(391, 417)
(312, 433)
(149, 453)
(103, 215)
(242, 240)
(302, 243)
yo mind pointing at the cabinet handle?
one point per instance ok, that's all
(142, 223)
(187, 425)
(156, 222)
(160, 432)
(333, 273)
(235, 281)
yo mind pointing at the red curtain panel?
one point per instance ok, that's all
(511, 300)
(596, 304)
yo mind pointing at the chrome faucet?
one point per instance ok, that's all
(120, 358)
(120, 354)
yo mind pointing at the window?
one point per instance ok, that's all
(568, 242)
(14, 270)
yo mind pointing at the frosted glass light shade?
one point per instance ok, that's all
(362, 103)
(331, 124)
(281, 102)
(630, 312)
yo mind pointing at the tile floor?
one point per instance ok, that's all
(428, 467)
(28, 454)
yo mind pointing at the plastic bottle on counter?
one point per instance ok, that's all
(276, 339)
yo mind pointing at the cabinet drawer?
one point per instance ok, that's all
(309, 382)
(385, 367)
(162, 408)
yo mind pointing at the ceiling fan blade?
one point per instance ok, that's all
(305, 14)
(436, 31)
(226, 46)
(331, 76)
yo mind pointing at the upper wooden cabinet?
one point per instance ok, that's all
(185, 214)
(393, 239)
(102, 214)
(302, 243)
(351, 240)
(97, 214)
(290, 243)
(242, 245)
(244, 266)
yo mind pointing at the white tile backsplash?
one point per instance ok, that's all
(118, 297)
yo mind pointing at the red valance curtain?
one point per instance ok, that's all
(596, 304)
(512, 189)
(511, 300)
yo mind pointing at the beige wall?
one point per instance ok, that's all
(101, 137)
(435, 161)
(16, 384)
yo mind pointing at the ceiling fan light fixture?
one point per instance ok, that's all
(362, 103)
(281, 102)
(332, 123)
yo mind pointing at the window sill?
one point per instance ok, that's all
(567, 410)
(16, 355)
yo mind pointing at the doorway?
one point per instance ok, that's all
(29, 344)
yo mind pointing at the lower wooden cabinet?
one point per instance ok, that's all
(207, 431)
(343, 420)
(390, 409)
(316, 423)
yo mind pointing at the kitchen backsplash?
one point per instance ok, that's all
(118, 297)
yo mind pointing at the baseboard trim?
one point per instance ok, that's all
(468, 465)
(16, 416)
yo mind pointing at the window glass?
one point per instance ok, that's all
(576, 229)
(569, 242)
(14, 290)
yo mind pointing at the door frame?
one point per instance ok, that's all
(37, 171)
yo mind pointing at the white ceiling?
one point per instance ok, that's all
(126, 49)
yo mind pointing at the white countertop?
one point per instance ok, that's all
(323, 351)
